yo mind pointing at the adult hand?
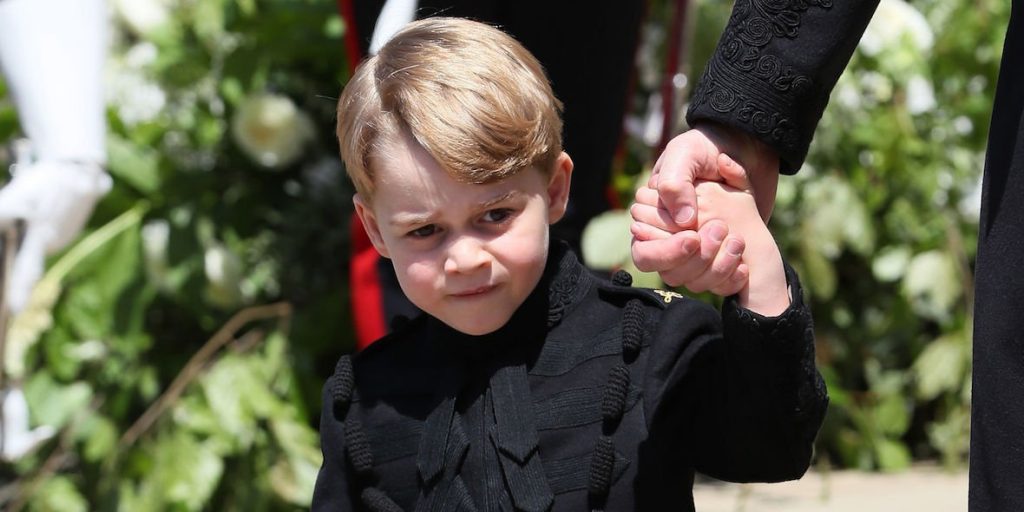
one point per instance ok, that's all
(54, 199)
(693, 155)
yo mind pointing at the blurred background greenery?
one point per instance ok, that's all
(179, 346)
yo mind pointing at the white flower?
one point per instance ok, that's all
(156, 235)
(18, 440)
(932, 284)
(963, 125)
(140, 55)
(876, 86)
(135, 97)
(271, 129)
(834, 217)
(224, 275)
(894, 22)
(920, 95)
(848, 96)
(88, 350)
(890, 263)
(143, 16)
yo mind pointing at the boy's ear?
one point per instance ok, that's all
(366, 216)
(558, 187)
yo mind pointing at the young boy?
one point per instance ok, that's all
(530, 384)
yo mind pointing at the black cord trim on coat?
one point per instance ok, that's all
(622, 278)
(360, 457)
(613, 405)
(632, 330)
(342, 383)
(602, 462)
(747, 85)
(357, 447)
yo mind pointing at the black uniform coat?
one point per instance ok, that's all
(594, 395)
(771, 76)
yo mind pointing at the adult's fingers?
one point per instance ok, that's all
(645, 232)
(686, 158)
(733, 173)
(649, 196)
(653, 216)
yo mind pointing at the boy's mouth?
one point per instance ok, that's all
(473, 292)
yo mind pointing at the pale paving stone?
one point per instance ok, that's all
(921, 488)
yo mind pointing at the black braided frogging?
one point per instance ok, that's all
(357, 446)
(613, 403)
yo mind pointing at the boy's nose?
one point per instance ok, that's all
(465, 255)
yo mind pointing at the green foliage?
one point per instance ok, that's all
(119, 347)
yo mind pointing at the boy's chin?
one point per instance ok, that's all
(475, 328)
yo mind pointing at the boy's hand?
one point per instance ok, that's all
(693, 155)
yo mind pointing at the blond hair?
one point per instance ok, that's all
(472, 96)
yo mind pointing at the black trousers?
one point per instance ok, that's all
(997, 411)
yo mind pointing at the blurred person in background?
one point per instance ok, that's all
(52, 54)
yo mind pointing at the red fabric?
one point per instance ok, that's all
(351, 33)
(364, 283)
(668, 96)
(364, 286)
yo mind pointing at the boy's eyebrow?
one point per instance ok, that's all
(412, 219)
(495, 200)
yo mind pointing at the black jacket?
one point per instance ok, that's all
(595, 395)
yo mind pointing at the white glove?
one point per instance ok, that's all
(55, 199)
(393, 16)
(15, 438)
(52, 53)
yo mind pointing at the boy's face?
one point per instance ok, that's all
(467, 254)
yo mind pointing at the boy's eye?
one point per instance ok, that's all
(423, 232)
(497, 215)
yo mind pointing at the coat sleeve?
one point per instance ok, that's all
(740, 393)
(774, 68)
(333, 488)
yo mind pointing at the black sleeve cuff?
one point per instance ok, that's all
(780, 349)
(774, 68)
